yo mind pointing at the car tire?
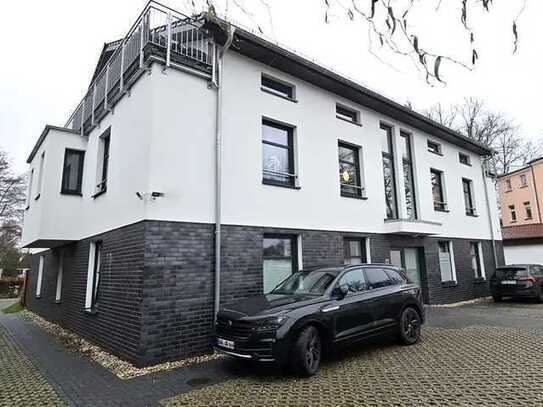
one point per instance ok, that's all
(539, 295)
(307, 352)
(497, 298)
(410, 326)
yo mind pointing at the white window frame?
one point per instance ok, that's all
(481, 259)
(90, 276)
(30, 182)
(40, 175)
(58, 293)
(451, 259)
(41, 266)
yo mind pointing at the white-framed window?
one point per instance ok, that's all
(347, 113)
(350, 172)
(278, 154)
(446, 261)
(464, 159)
(434, 147)
(40, 175)
(58, 293)
(102, 174)
(354, 249)
(29, 192)
(523, 180)
(278, 87)
(39, 281)
(93, 276)
(528, 210)
(280, 258)
(477, 263)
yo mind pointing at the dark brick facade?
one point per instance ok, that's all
(156, 290)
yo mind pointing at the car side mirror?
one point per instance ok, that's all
(341, 291)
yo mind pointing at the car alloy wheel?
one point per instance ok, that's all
(410, 326)
(307, 352)
(313, 351)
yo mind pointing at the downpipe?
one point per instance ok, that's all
(488, 210)
(216, 83)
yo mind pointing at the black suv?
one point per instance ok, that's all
(517, 280)
(314, 311)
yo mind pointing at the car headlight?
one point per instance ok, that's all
(272, 323)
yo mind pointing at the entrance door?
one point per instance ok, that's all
(409, 259)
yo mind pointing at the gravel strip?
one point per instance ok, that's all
(121, 368)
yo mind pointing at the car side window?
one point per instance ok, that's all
(355, 280)
(395, 277)
(537, 270)
(377, 278)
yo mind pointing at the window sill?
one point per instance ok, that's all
(271, 92)
(91, 311)
(362, 197)
(508, 190)
(96, 195)
(529, 219)
(349, 121)
(37, 197)
(524, 186)
(441, 210)
(448, 284)
(433, 152)
(466, 164)
(58, 301)
(278, 184)
(473, 215)
(479, 280)
(63, 192)
(37, 297)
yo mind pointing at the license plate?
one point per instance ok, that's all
(225, 344)
(509, 282)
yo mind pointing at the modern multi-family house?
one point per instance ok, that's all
(205, 164)
(521, 201)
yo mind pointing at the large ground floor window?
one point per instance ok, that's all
(354, 250)
(280, 259)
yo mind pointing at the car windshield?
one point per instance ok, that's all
(512, 272)
(306, 282)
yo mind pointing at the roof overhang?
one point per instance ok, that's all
(42, 137)
(268, 53)
(47, 243)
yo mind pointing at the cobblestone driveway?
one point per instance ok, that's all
(482, 365)
(21, 384)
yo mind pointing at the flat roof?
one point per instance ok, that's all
(42, 137)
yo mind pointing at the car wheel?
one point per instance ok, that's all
(410, 326)
(307, 352)
(539, 295)
(497, 298)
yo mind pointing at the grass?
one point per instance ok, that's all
(13, 308)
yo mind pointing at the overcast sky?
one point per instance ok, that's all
(50, 49)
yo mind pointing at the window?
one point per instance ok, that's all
(409, 182)
(349, 170)
(464, 159)
(354, 280)
(72, 173)
(58, 294)
(40, 175)
(277, 154)
(280, 259)
(523, 180)
(377, 278)
(513, 213)
(508, 186)
(446, 264)
(528, 209)
(468, 197)
(395, 277)
(434, 147)
(39, 280)
(476, 260)
(277, 87)
(348, 114)
(437, 190)
(93, 276)
(354, 250)
(103, 168)
(29, 192)
(388, 172)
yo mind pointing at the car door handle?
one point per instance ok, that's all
(330, 308)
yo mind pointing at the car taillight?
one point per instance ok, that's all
(527, 279)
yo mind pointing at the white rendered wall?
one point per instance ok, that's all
(163, 140)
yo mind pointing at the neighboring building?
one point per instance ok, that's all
(313, 169)
(521, 200)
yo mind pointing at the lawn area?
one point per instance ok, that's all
(13, 308)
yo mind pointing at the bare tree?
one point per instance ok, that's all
(12, 197)
(494, 129)
(391, 25)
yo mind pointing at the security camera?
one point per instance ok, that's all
(155, 194)
(139, 195)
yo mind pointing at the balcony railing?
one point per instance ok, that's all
(160, 32)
